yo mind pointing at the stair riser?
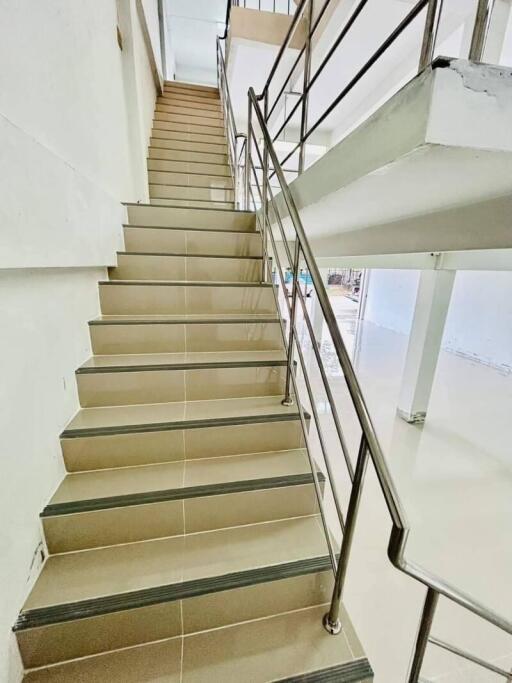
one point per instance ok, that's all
(145, 448)
(192, 179)
(164, 150)
(177, 107)
(190, 193)
(187, 146)
(189, 102)
(140, 214)
(219, 171)
(193, 203)
(157, 299)
(156, 240)
(165, 386)
(79, 531)
(186, 133)
(59, 642)
(206, 121)
(139, 267)
(179, 338)
(197, 93)
(210, 121)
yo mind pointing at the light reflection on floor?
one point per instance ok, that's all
(454, 474)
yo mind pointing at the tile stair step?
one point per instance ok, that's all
(178, 297)
(169, 217)
(165, 578)
(258, 650)
(189, 101)
(167, 334)
(183, 107)
(192, 179)
(187, 192)
(164, 150)
(190, 116)
(178, 415)
(188, 133)
(124, 505)
(193, 203)
(192, 241)
(165, 136)
(189, 168)
(164, 266)
(221, 434)
(161, 378)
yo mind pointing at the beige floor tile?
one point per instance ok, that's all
(209, 194)
(193, 179)
(243, 467)
(129, 339)
(114, 416)
(145, 214)
(234, 382)
(264, 650)
(155, 662)
(191, 168)
(250, 507)
(233, 440)
(82, 531)
(119, 482)
(106, 571)
(122, 450)
(257, 601)
(237, 549)
(163, 149)
(128, 388)
(141, 299)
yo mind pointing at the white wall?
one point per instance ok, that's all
(479, 323)
(391, 298)
(75, 120)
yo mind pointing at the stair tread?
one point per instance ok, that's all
(124, 481)
(180, 359)
(188, 283)
(146, 415)
(114, 570)
(186, 318)
(277, 648)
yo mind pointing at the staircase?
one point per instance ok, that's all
(185, 542)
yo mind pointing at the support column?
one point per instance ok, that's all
(317, 317)
(432, 303)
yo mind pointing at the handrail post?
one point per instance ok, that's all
(248, 154)
(288, 399)
(305, 87)
(264, 188)
(434, 10)
(480, 29)
(420, 647)
(332, 623)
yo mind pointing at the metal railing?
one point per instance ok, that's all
(261, 163)
(236, 141)
(306, 16)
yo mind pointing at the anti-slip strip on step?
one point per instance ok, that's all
(93, 607)
(183, 283)
(181, 424)
(203, 491)
(158, 367)
(179, 227)
(350, 672)
(166, 253)
(185, 321)
(237, 212)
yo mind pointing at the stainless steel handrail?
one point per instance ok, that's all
(232, 135)
(369, 446)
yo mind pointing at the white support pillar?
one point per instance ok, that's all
(432, 302)
(317, 317)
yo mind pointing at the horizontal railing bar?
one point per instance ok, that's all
(376, 56)
(470, 657)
